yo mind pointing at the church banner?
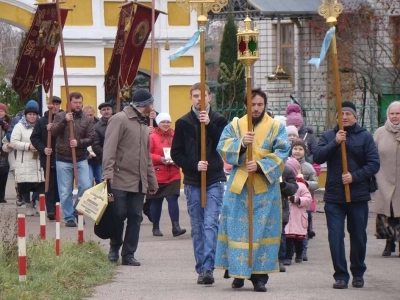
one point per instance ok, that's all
(135, 43)
(41, 36)
(112, 75)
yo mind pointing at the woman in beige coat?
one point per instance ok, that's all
(387, 197)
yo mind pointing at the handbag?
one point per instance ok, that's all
(4, 166)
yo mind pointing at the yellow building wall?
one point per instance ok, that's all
(16, 15)
(177, 15)
(144, 62)
(182, 62)
(179, 101)
(79, 61)
(81, 14)
(89, 94)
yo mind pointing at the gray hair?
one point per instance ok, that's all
(394, 103)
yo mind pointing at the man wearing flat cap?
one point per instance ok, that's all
(363, 163)
(39, 141)
(100, 127)
(128, 167)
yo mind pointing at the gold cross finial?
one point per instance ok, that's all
(330, 10)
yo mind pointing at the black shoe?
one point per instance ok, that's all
(237, 283)
(305, 257)
(282, 267)
(287, 262)
(200, 279)
(51, 216)
(113, 255)
(156, 230)
(177, 230)
(130, 261)
(19, 203)
(358, 282)
(3, 201)
(259, 286)
(70, 224)
(298, 259)
(389, 248)
(311, 234)
(208, 277)
(340, 285)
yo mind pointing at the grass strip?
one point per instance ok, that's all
(71, 276)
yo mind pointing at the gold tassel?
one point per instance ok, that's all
(40, 42)
(167, 45)
(128, 25)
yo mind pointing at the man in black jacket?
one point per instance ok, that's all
(100, 130)
(363, 163)
(39, 141)
(185, 152)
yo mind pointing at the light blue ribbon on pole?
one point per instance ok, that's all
(324, 48)
(195, 39)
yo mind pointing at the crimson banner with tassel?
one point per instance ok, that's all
(41, 37)
(135, 43)
(112, 75)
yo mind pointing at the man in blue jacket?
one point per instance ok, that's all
(363, 163)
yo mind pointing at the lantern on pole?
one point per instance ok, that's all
(247, 40)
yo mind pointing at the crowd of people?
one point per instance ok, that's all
(141, 158)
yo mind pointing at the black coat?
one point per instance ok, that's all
(288, 188)
(39, 140)
(99, 135)
(362, 161)
(185, 149)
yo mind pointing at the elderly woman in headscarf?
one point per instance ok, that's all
(387, 197)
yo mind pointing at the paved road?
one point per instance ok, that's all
(167, 270)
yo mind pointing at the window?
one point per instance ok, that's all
(287, 48)
(396, 40)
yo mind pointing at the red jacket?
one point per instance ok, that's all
(158, 140)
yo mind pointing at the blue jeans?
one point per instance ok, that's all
(357, 221)
(95, 174)
(65, 176)
(204, 223)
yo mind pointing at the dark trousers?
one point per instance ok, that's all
(282, 246)
(129, 206)
(3, 182)
(294, 246)
(173, 208)
(52, 196)
(147, 207)
(357, 221)
(25, 189)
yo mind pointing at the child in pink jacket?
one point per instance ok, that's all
(296, 229)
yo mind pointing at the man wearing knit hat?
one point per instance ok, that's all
(363, 163)
(39, 141)
(106, 111)
(128, 168)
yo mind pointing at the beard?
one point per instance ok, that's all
(258, 119)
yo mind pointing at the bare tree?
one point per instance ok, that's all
(9, 47)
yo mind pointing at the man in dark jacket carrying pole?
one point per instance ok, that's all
(185, 152)
(39, 141)
(363, 163)
(84, 136)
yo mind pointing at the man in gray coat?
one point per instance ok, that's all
(128, 167)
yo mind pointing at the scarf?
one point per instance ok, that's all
(141, 117)
(393, 128)
(25, 122)
(197, 112)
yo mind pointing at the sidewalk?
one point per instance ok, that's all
(167, 270)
